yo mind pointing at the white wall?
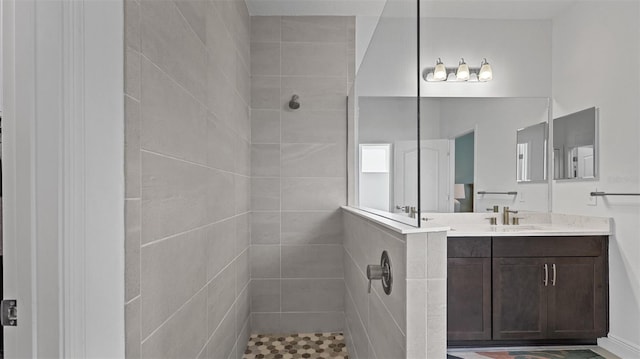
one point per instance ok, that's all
(595, 63)
(518, 50)
(496, 122)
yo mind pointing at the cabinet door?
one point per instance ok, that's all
(576, 299)
(469, 299)
(519, 298)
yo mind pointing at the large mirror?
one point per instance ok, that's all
(466, 147)
(531, 153)
(575, 145)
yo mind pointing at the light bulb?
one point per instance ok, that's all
(463, 71)
(440, 72)
(486, 74)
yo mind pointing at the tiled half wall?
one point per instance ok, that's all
(410, 322)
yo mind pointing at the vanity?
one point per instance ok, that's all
(529, 284)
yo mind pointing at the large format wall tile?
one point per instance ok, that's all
(308, 126)
(312, 227)
(312, 295)
(132, 250)
(168, 41)
(387, 339)
(265, 295)
(313, 193)
(162, 102)
(265, 92)
(132, 148)
(323, 93)
(312, 261)
(223, 339)
(314, 29)
(221, 141)
(265, 227)
(265, 126)
(305, 59)
(187, 177)
(221, 293)
(220, 195)
(183, 335)
(310, 322)
(194, 11)
(265, 28)
(298, 163)
(265, 58)
(174, 196)
(165, 266)
(265, 262)
(265, 194)
(221, 239)
(265, 160)
(132, 329)
(314, 160)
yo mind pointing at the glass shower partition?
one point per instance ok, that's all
(384, 112)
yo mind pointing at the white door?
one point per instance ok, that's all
(436, 184)
(63, 182)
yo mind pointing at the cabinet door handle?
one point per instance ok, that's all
(546, 275)
(553, 278)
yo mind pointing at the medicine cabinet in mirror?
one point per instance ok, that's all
(531, 153)
(575, 145)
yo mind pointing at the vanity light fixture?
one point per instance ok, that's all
(462, 73)
(440, 71)
(486, 74)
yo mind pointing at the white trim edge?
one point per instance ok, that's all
(73, 184)
(619, 347)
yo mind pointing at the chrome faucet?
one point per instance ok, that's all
(505, 215)
(413, 212)
(494, 209)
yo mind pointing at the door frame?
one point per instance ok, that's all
(64, 176)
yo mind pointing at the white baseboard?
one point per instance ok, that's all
(620, 347)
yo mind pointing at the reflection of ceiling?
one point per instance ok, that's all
(473, 9)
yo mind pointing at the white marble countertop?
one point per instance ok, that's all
(522, 231)
(395, 225)
(477, 225)
(531, 224)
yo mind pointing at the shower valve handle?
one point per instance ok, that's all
(381, 272)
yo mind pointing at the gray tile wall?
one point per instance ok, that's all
(298, 171)
(411, 321)
(188, 125)
(376, 322)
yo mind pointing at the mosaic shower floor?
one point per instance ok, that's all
(295, 346)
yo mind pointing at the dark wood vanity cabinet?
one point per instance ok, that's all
(469, 288)
(549, 287)
(542, 289)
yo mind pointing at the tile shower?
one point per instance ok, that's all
(298, 171)
(232, 200)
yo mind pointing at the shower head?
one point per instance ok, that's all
(294, 104)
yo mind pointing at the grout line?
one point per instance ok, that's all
(173, 314)
(172, 236)
(139, 296)
(193, 163)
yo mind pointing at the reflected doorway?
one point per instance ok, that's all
(464, 172)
